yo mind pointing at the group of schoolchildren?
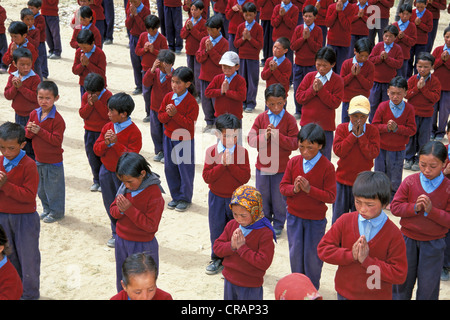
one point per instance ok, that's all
(390, 84)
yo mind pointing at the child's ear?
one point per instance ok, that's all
(22, 145)
(56, 98)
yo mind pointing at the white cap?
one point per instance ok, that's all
(230, 58)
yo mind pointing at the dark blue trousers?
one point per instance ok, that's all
(432, 35)
(51, 189)
(231, 47)
(441, 115)
(345, 202)
(403, 71)
(108, 8)
(179, 168)
(425, 261)
(378, 31)
(342, 54)
(274, 203)
(147, 95)
(101, 26)
(109, 184)
(324, 34)
(219, 214)
(268, 42)
(29, 146)
(391, 163)
(207, 104)
(249, 70)
(3, 49)
(135, 61)
(22, 231)
(234, 292)
(328, 148)
(156, 131)
(195, 66)
(299, 72)
(94, 161)
(53, 35)
(160, 5)
(421, 137)
(415, 50)
(303, 237)
(344, 112)
(174, 23)
(447, 251)
(378, 94)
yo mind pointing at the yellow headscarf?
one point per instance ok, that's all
(250, 198)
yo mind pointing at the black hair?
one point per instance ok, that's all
(131, 164)
(48, 85)
(121, 102)
(34, 3)
(249, 7)
(448, 126)
(398, 82)
(86, 12)
(310, 8)
(186, 74)
(136, 264)
(421, 1)
(198, 4)
(373, 185)
(11, 131)
(285, 42)
(214, 22)
(18, 27)
(94, 82)
(275, 90)
(85, 36)
(363, 45)
(425, 56)
(435, 148)
(228, 121)
(4, 242)
(152, 22)
(25, 12)
(313, 133)
(392, 29)
(406, 7)
(22, 53)
(167, 56)
(446, 30)
(326, 53)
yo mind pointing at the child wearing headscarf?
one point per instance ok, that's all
(246, 246)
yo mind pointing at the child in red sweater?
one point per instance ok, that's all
(40, 67)
(229, 88)
(320, 94)
(309, 183)
(441, 68)
(246, 246)
(424, 90)
(320, 21)
(235, 16)
(379, 18)
(305, 42)
(396, 123)
(407, 36)
(88, 58)
(359, 26)
(274, 135)
(10, 284)
(50, 11)
(3, 40)
(138, 281)
(387, 57)
(423, 204)
(357, 73)
(117, 136)
(357, 144)
(265, 14)
(278, 68)
(94, 112)
(46, 129)
(138, 208)
(147, 48)
(19, 180)
(249, 42)
(87, 21)
(226, 167)
(366, 245)
(33, 34)
(159, 76)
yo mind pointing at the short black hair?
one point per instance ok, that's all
(285, 42)
(94, 82)
(398, 82)
(198, 4)
(85, 36)
(326, 53)
(22, 53)
(131, 164)
(121, 102)
(227, 121)
(12, 131)
(34, 3)
(48, 85)
(392, 29)
(86, 12)
(448, 126)
(152, 22)
(167, 56)
(425, 56)
(435, 148)
(406, 7)
(25, 12)
(275, 90)
(421, 1)
(214, 22)
(372, 185)
(18, 27)
(363, 45)
(310, 8)
(446, 30)
(249, 7)
(4, 242)
(136, 264)
(313, 133)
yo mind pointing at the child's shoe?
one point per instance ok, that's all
(95, 187)
(111, 242)
(159, 157)
(50, 218)
(214, 267)
(415, 166)
(407, 165)
(182, 206)
(172, 204)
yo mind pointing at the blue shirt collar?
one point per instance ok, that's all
(446, 48)
(140, 7)
(387, 48)
(355, 61)
(275, 118)
(25, 44)
(345, 5)
(249, 26)
(221, 148)
(3, 261)
(216, 40)
(420, 14)
(177, 99)
(86, 27)
(89, 54)
(229, 79)
(25, 77)
(311, 27)
(286, 6)
(426, 79)
(151, 38)
(326, 77)
(364, 5)
(403, 25)
(309, 164)
(431, 185)
(10, 164)
(119, 126)
(279, 60)
(51, 114)
(195, 22)
(375, 225)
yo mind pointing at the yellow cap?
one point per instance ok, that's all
(359, 104)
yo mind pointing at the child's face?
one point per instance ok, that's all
(23, 65)
(358, 118)
(135, 3)
(116, 117)
(323, 66)
(18, 38)
(228, 70)
(11, 148)
(423, 67)
(34, 10)
(86, 47)
(430, 166)
(309, 150)
(278, 50)
(133, 183)
(179, 86)
(196, 12)
(229, 137)
(249, 16)
(388, 38)
(275, 104)
(308, 18)
(368, 208)
(241, 215)
(420, 6)
(286, 1)
(46, 99)
(213, 32)
(447, 39)
(152, 31)
(85, 21)
(405, 16)
(141, 286)
(362, 56)
(28, 20)
(396, 95)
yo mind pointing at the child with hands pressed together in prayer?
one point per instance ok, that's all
(10, 283)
